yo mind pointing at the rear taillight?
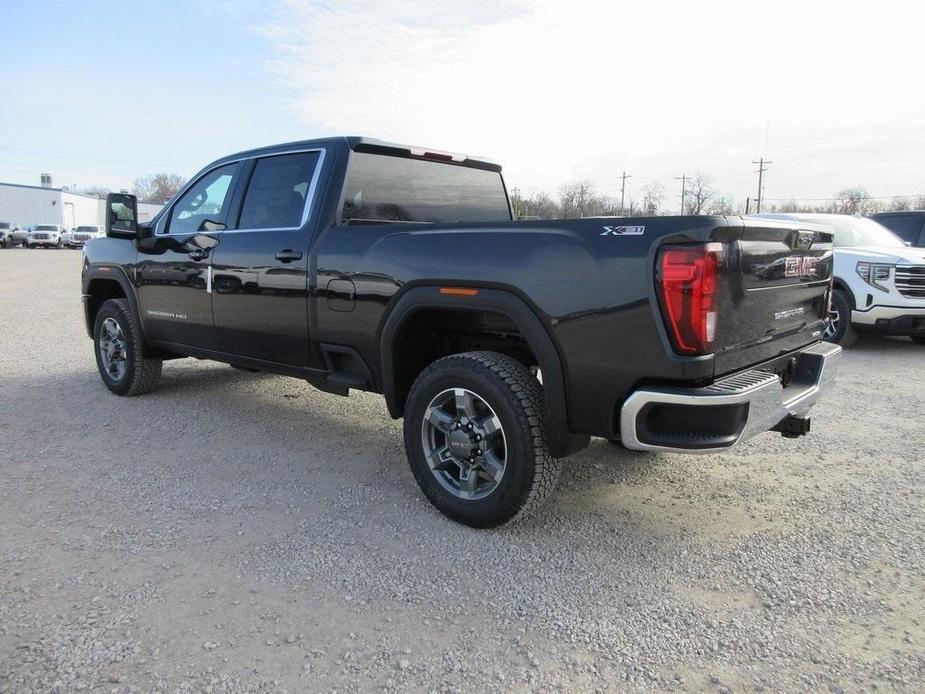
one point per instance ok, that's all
(687, 280)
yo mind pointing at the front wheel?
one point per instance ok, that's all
(120, 351)
(475, 438)
(838, 328)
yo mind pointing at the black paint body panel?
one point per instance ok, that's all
(593, 296)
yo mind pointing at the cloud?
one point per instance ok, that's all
(560, 90)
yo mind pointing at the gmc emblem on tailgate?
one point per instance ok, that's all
(800, 266)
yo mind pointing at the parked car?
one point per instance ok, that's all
(46, 236)
(354, 263)
(879, 279)
(6, 235)
(20, 236)
(67, 237)
(82, 234)
(909, 226)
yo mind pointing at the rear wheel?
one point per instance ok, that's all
(475, 439)
(838, 328)
(120, 351)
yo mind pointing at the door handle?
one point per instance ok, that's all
(199, 254)
(288, 256)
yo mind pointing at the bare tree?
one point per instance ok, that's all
(157, 187)
(652, 196)
(578, 200)
(699, 193)
(900, 204)
(539, 205)
(723, 205)
(851, 200)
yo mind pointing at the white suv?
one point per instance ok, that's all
(47, 235)
(82, 234)
(879, 279)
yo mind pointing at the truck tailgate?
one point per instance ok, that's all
(775, 291)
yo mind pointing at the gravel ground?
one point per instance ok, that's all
(245, 532)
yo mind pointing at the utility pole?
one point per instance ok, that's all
(762, 167)
(683, 178)
(624, 176)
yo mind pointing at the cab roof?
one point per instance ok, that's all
(370, 144)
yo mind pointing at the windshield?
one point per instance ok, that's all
(4, 225)
(857, 231)
(46, 227)
(87, 230)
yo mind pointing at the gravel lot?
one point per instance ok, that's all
(245, 532)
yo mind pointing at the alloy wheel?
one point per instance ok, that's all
(113, 353)
(464, 443)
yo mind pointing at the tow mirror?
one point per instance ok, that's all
(121, 215)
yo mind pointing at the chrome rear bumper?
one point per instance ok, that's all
(733, 409)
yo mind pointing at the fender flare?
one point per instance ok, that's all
(560, 439)
(110, 273)
(838, 283)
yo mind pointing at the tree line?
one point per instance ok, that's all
(157, 188)
(581, 199)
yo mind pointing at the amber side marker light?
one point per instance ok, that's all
(459, 291)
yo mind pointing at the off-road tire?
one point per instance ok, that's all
(141, 372)
(516, 396)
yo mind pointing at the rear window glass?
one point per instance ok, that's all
(277, 191)
(382, 189)
(905, 226)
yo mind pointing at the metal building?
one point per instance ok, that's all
(26, 206)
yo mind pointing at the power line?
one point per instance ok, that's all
(762, 162)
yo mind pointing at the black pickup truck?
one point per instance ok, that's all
(355, 263)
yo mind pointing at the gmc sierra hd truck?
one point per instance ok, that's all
(505, 345)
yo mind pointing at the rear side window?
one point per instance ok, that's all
(383, 189)
(277, 192)
(905, 226)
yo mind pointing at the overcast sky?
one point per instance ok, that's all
(555, 91)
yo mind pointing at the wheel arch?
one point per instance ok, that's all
(840, 284)
(422, 298)
(102, 284)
